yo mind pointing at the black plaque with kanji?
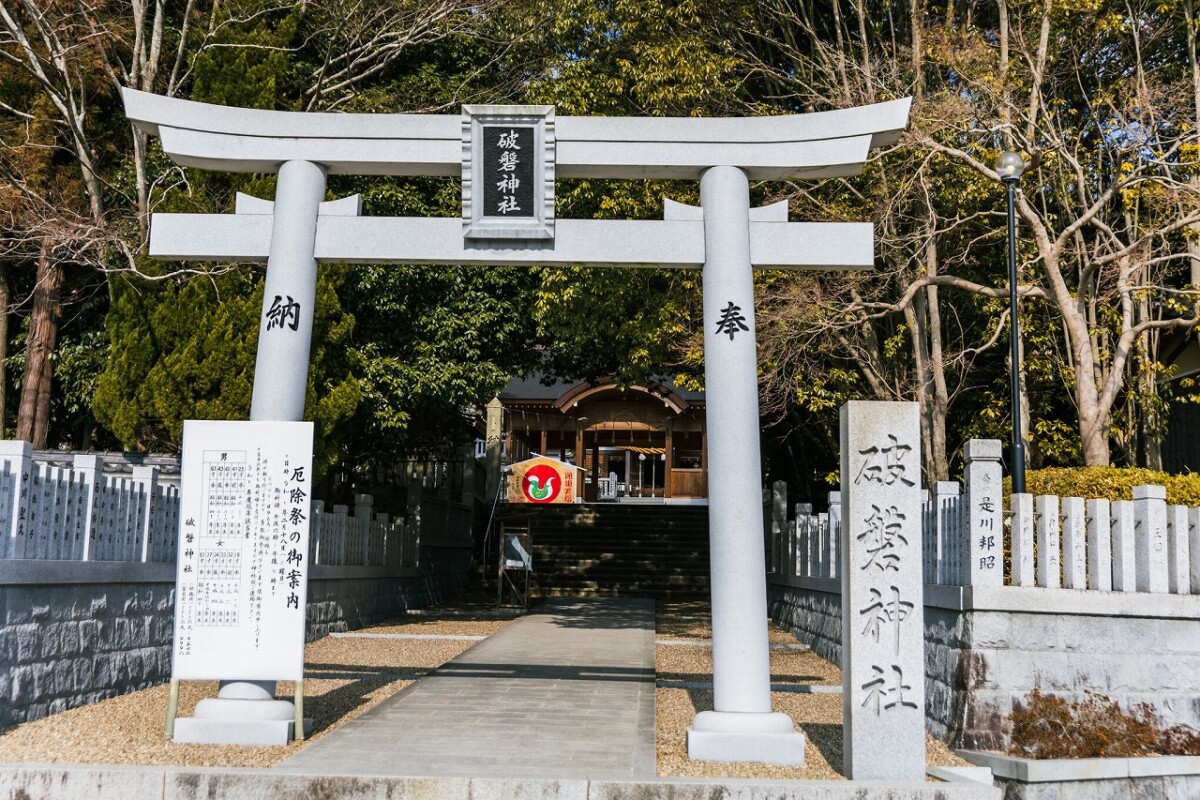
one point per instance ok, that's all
(509, 158)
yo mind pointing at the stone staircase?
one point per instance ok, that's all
(617, 550)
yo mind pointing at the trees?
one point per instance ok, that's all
(1094, 103)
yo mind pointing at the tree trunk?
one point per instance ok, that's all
(3, 344)
(33, 417)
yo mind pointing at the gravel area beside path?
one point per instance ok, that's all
(818, 715)
(346, 675)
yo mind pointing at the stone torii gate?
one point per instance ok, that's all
(509, 158)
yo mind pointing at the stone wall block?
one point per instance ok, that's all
(990, 630)
(29, 643)
(22, 685)
(89, 635)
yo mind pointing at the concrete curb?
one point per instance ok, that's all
(1057, 770)
(84, 782)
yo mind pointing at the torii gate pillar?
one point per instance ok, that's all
(741, 726)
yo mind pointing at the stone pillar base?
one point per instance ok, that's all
(238, 721)
(252, 732)
(733, 736)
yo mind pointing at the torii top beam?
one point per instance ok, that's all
(818, 145)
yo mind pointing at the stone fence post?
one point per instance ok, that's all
(1150, 547)
(984, 546)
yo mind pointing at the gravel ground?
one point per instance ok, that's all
(348, 675)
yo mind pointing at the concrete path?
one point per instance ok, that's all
(566, 692)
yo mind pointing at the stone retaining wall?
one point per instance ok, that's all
(76, 632)
(986, 649)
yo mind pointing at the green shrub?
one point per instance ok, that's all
(1045, 726)
(1109, 483)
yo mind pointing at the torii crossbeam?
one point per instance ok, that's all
(725, 237)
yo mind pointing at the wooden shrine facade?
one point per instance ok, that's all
(637, 442)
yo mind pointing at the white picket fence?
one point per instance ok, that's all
(1139, 545)
(81, 513)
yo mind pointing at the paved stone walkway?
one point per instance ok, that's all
(566, 692)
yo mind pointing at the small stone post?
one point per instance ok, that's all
(945, 532)
(1099, 545)
(883, 611)
(1150, 518)
(1194, 548)
(985, 526)
(833, 546)
(1023, 573)
(1178, 563)
(1049, 545)
(15, 462)
(1074, 541)
(1124, 528)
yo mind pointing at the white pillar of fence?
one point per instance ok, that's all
(1150, 515)
(946, 531)
(983, 516)
(1178, 578)
(16, 459)
(1194, 548)
(833, 548)
(1099, 545)
(1074, 542)
(778, 526)
(1049, 547)
(1023, 573)
(800, 539)
(1124, 530)
(145, 483)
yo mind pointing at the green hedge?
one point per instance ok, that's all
(1110, 483)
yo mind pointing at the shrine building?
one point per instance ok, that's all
(637, 443)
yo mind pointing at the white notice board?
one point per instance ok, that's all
(242, 576)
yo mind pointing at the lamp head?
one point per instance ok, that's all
(1010, 166)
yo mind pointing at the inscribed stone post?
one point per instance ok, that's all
(1049, 544)
(1023, 573)
(1178, 579)
(1124, 572)
(1150, 548)
(1099, 545)
(985, 527)
(1074, 542)
(15, 459)
(883, 625)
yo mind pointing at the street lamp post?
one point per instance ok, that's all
(1010, 166)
